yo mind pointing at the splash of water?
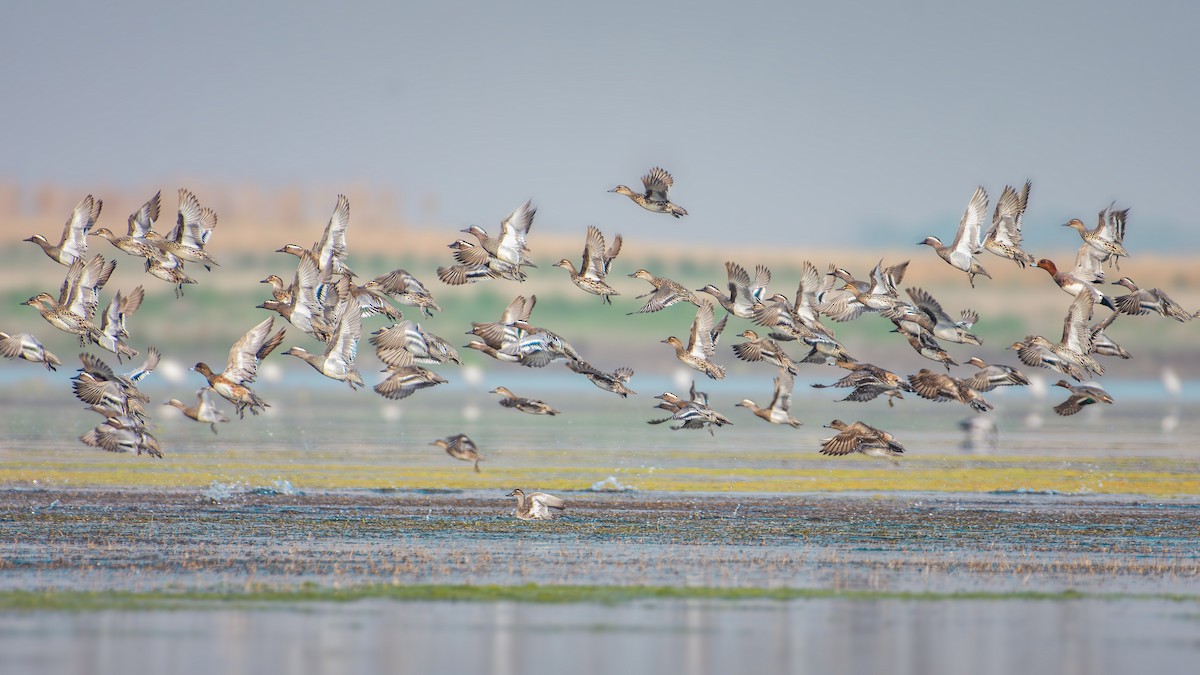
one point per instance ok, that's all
(611, 484)
(218, 492)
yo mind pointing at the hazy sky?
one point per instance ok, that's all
(780, 122)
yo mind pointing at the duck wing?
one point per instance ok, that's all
(1088, 263)
(969, 318)
(1139, 302)
(130, 303)
(884, 280)
(751, 351)
(867, 391)
(1076, 335)
(404, 382)
(457, 275)
(242, 365)
(141, 222)
(205, 408)
(1170, 307)
(92, 365)
(11, 346)
(108, 393)
(83, 294)
(929, 305)
(758, 287)
(343, 345)
(74, 236)
(153, 356)
(188, 216)
(806, 292)
(193, 224)
(612, 252)
(843, 307)
(534, 350)
(1111, 225)
(595, 265)
(548, 501)
(1006, 221)
(194, 233)
(466, 253)
(519, 309)
(969, 228)
(980, 381)
(931, 385)
(663, 296)
(120, 307)
(700, 342)
(739, 280)
(585, 368)
(400, 281)
(846, 442)
(332, 247)
(1073, 404)
(773, 313)
(405, 335)
(657, 182)
(513, 231)
(110, 323)
(310, 283)
(782, 400)
(462, 443)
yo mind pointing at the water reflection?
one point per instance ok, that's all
(981, 434)
(687, 636)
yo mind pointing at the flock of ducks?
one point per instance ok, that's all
(326, 301)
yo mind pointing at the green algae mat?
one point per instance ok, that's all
(1152, 477)
(84, 601)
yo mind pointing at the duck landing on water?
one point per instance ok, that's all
(537, 505)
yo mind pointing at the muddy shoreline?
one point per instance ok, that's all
(143, 541)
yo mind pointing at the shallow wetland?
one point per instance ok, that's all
(275, 544)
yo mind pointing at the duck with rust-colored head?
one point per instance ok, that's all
(242, 367)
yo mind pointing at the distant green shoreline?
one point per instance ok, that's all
(271, 598)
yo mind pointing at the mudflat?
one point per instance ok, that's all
(251, 541)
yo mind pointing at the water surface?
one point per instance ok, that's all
(1001, 637)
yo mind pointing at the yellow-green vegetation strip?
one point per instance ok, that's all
(270, 598)
(1152, 477)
